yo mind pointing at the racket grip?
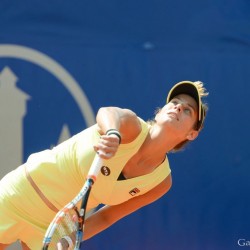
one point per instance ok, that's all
(95, 167)
(78, 240)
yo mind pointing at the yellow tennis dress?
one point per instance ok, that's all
(60, 173)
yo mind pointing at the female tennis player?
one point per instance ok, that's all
(135, 168)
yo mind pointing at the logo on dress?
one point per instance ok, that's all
(105, 171)
(134, 191)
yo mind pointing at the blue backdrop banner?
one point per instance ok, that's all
(61, 61)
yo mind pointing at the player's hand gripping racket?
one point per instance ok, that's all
(68, 224)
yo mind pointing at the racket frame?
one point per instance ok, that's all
(82, 195)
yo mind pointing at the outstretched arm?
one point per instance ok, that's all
(108, 215)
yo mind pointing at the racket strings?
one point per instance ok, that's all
(67, 226)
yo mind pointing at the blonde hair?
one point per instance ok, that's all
(202, 90)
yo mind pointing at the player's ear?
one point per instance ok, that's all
(192, 135)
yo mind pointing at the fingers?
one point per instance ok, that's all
(107, 146)
(62, 245)
(66, 242)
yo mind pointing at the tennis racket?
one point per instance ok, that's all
(68, 224)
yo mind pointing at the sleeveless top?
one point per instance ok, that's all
(60, 173)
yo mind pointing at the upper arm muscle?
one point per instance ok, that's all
(124, 120)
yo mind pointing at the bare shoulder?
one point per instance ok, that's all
(130, 126)
(122, 119)
(128, 116)
(165, 185)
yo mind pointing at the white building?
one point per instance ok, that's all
(12, 111)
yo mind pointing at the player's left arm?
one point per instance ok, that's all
(108, 215)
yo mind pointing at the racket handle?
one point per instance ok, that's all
(95, 167)
(79, 240)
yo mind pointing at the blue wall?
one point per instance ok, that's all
(128, 54)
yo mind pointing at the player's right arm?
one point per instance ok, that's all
(108, 215)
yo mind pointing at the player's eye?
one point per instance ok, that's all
(175, 102)
(187, 111)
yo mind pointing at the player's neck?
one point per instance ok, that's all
(161, 141)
